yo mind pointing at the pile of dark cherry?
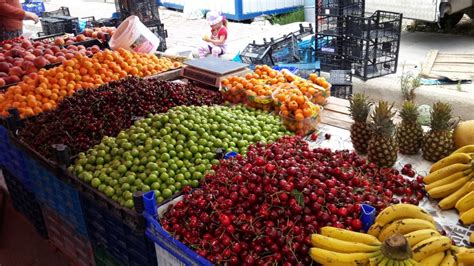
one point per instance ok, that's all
(83, 119)
(261, 209)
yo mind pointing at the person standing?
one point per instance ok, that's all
(11, 19)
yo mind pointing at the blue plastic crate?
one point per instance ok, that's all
(127, 245)
(57, 195)
(169, 250)
(36, 7)
(3, 145)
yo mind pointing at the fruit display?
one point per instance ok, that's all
(438, 142)
(23, 57)
(463, 134)
(360, 130)
(165, 152)
(43, 91)
(298, 113)
(451, 181)
(350, 248)
(265, 206)
(99, 32)
(409, 131)
(87, 116)
(256, 88)
(382, 148)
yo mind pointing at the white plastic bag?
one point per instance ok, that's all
(192, 10)
(132, 35)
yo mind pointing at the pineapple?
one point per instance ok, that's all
(383, 148)
(409, 132)
(360, 131)
(438, 142)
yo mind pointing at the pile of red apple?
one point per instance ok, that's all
(24, 57)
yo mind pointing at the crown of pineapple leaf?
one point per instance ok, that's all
(382, 119)
(409, 112)
(440, 116)
(359, 107)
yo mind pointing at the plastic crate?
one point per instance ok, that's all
(62, 11)
(145, 10)
(64, 237)
(128, 245)
(159, 30)
(169, 251)
(341, 81)
(103, 258)
(284, 49)
(340, 7)
(34, 7)
(71, 24)
(256, 54)
(24, 201)
(331, 25)
(52, 26)
(381, 25)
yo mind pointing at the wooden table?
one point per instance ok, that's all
(336, 113)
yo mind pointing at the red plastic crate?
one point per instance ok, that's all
(63, 236)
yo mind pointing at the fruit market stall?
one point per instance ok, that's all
(246, 167)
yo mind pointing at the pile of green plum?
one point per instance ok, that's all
(165, 152)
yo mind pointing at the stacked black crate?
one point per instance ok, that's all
(331, 29)
(372, 44)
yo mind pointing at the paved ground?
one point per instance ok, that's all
(186, 34)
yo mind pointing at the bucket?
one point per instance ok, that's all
(132, 35)
(310, 14)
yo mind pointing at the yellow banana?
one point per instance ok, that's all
(457, 249)
(444, 190)
(450, 201)
(410, 262)
(434, 259)
(337, 245)
(375, 229)
(347, 235)
(430, 246)
(465, 149)
(401, 211)
(325, 257)
(449, 179)
(471, 238)
(446, 171)
(466, 257)
(463, 158)
(415, 237)
(391, 262)
(384, 262)
(376, 260)
(449, 259)
(466, 202)
(404, 226)
(467, 217)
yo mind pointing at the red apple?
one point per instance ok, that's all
(40, 62)
(4, 67)
(2, 82)
(16, 71)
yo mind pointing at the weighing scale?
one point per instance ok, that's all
(211, 70)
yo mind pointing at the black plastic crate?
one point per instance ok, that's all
(47, 37)
(145, 10)
(127, 245)
(284, 49)
(368, 70)
(332, 61)
(71, 24)
(257, 54)
(159, 30)
(52, 26)
(24, 201)
(381, 25)
(331, 25)
(62, 11)
(340, 7)
(341, 83)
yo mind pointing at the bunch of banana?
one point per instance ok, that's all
(452, 177)
(465, 207)
(335, 246)
(463, 256)
(402, 219)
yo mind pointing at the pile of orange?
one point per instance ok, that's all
(322, 82)
(42, 91)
